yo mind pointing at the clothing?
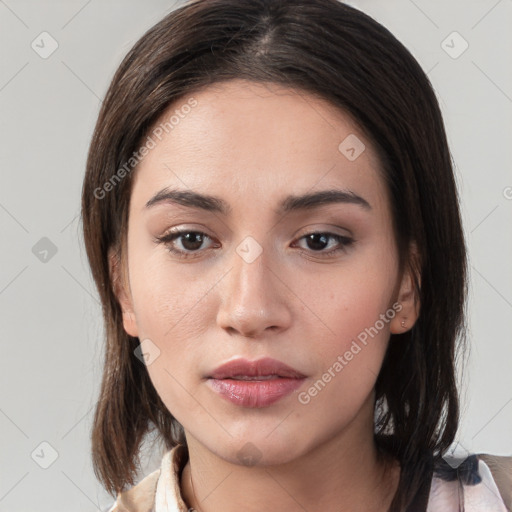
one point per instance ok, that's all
(160, 490)
(482, 497)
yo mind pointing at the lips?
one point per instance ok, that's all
(255, 370)
(254, 383)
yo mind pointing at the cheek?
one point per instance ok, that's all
(349, 356)
(172, 309)
(352, 298)
(352, 306)
(359, 313)
(167, 299)
(358, 320)
(170, 313)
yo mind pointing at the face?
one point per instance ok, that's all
(253, 272)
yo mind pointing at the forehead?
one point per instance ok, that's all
(255, 141)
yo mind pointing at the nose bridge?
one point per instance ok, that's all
(251, 270)
(249, 276)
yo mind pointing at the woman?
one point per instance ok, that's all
(271, 220)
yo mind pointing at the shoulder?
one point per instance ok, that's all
(500, 468)
(159, 490)
(482, 482)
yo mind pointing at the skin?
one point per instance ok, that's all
(252, 145)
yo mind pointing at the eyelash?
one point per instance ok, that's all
(344, 241)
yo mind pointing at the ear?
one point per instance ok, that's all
(407, 296)
(121, 287)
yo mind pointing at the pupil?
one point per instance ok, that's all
(314, 238)
(188, 241)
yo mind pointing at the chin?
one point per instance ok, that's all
(258, 449)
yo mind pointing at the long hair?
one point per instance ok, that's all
(333, 51)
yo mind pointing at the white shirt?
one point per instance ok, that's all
(482, 497)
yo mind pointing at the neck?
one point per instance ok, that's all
(342, 474)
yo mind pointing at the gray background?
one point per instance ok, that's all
(50, 316)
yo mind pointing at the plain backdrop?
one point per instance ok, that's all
(51, 328)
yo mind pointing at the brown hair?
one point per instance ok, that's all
(338, 53)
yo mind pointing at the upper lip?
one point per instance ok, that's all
(259, 368)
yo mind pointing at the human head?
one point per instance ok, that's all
(342, 56)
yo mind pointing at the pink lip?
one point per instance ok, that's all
(277, 381)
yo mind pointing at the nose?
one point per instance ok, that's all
(254, 299)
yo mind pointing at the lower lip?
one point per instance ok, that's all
(254, 393)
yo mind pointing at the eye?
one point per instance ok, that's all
(191, 242)
(318, 241)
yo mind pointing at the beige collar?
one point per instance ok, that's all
(160, 490)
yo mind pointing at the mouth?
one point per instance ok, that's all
(249, 378)
(261, 369)
(254, 384)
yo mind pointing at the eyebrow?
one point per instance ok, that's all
(290, 203)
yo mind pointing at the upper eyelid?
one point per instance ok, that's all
(181, 231)
(308, 230)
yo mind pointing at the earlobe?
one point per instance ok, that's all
(122, 292)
